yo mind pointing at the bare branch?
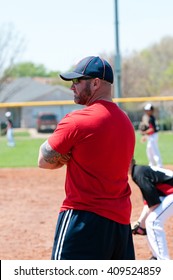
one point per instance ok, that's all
(12, 44)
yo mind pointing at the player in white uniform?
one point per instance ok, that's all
(156, 185)
(151, 135)
(10, 137)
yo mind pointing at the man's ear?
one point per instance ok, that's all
(96, 83)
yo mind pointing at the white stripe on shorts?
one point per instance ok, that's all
(62, 234)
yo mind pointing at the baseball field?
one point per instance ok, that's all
(30, 201)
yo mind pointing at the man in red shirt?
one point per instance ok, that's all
(97, 145)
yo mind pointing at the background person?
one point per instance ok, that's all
(10, 136)
(97, 144)
(150, 133)
(156, 185)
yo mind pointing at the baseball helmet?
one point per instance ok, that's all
(8, 114)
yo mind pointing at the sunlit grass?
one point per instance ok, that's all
(165, 143)
(25, 153)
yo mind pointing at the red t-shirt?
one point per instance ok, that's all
(101, 139)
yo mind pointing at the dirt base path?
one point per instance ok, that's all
(30, 200)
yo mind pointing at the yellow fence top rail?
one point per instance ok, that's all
(71, 102)
(36, 103)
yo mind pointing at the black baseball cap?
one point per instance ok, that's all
(91, 66)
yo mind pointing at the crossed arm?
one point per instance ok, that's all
(50, 159)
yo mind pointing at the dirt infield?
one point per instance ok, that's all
(30, 200)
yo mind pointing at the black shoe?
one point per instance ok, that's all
(153, 258)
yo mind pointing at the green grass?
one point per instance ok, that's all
(23, 133)
(165, 142)
(25, 153)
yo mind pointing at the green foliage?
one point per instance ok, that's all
(53, 74)
(29, 69)
(167, 76)
(166, 123)
(149, 72)
(145, 73)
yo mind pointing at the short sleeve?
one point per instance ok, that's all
(64, 136)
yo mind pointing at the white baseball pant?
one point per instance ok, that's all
(152, 150)
(155, 228)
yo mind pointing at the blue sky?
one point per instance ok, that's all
(61, 32)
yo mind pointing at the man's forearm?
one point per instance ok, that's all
(50, 159)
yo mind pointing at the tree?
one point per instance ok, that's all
(29, 69)
(149, 72)
(11, 46)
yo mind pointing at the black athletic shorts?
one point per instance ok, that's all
(82, 235)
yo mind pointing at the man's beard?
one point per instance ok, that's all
(84, 96)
